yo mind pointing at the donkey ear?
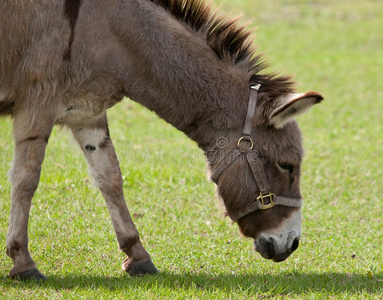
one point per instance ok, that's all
(291, 105)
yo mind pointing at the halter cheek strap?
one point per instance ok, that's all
(246, 136)
(266, 199)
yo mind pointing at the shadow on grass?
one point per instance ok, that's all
(284, 283)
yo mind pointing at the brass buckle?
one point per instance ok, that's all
(261, 198)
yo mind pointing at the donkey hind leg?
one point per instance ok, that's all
(31, 138)
(103, 165)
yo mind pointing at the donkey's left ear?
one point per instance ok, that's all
(291, 105)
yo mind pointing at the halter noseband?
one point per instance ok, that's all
(266, 199)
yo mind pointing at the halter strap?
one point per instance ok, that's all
(250, 111)
(258, 205)
(266, 199)
(246, 135)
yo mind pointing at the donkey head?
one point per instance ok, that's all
(258, 175)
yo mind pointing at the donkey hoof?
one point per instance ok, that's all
(142, 268)
(32, 274)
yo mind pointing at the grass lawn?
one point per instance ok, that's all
(334, 47)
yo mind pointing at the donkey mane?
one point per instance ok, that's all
(229, 40)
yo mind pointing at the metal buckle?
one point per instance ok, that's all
(255, 86)
(261, 198)
(247, 139)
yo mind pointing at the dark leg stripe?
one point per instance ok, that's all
(72, 8)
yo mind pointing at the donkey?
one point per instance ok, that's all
(67, 62)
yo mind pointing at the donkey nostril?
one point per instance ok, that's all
(295, 245)
(270, 248)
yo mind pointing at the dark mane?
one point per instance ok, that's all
(229, 40)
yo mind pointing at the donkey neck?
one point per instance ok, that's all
(174, 72)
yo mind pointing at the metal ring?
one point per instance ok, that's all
(246, 139)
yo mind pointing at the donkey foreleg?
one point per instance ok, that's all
(31, 138)
(103, 165)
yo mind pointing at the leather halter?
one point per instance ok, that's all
(266, 199)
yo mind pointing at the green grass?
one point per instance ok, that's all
(334, 47)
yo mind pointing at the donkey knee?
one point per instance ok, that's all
(25, 181)
(29, 155)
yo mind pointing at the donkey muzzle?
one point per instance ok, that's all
(277, 248)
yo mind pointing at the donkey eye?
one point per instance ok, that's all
(287, 167)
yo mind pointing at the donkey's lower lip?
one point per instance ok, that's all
(263, 252)
(281, 257)
(267, 251)
(274, 257)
